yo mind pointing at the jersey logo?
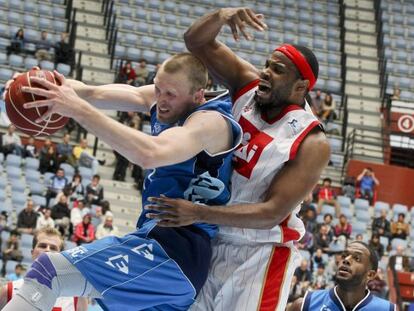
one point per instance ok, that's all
(119, 262)
(203, 188)
(144, 250)
(294, 126)
(325, 308)
(77, 251)
(253, 144)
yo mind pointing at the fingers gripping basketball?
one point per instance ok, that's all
(24, 119)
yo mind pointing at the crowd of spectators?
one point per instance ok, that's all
(323, 106)
(58, 52)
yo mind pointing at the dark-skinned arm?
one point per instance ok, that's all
(296, 305)
(222, 62)
(289, 187)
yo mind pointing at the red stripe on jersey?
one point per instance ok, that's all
(300, 138)
(75, 301)
(274, 279)
(245, 89)
(57, 309)
(279, 116)
(288, 234)
(9, 291)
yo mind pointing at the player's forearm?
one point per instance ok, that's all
(250, 216)
(204, 30)
(121, 97)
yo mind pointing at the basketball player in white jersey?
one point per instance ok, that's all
(45, 240)
(279, 162)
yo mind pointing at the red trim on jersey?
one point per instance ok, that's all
(300, 138)
(57, 309)
(274, 279)
(288, 234)
(75, 301)
(281, 114)
(9, 291)
(245, 89)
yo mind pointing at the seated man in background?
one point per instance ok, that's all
(400, 229)
(367, 183)
(326, 195)
(43, 47)
(94, 191)
(27, 219)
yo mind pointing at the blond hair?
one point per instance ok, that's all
(187, 63)
(48, 231)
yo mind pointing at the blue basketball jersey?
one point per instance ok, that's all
(202, 179)
(328, 300)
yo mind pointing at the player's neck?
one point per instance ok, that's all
(351, 297)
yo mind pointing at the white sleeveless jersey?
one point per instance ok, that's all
(62, 303)
(267, 145)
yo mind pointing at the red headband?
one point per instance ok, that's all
(300, 62)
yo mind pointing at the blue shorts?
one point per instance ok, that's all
(156, 269)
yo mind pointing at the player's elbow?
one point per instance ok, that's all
(190, 40)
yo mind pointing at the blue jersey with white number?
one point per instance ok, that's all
(328, 300)
(204, 178)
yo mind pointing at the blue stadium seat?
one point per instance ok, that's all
(384, 241)
(361, 204)
(29, 20)
(158, 30)
(15, 5)
(32, 176)
(16, 61)
(334, 86)
(133, 53)
(155, 17)
(147, 41)
(3, 58)
(162, 44)
(30, 47)
(162, 57)
(199, 11)
(17, 185)
(328, 209)
(150, 56)
(398, 242)
(13, 160)
(141, 14)
(59, 12)
(170, 19)
(45, 23)
(45, 9)
(334, 72)
(359, 227)
(127, 24)
(18, 199)
(178, 46)
(2, 196)
(380, 206)
(347, 212)
(59, 25)
(120, 51)
(39, 200)
(32, 164)
(47, 65)
(186, 21)
(30, 62)
(14, 17)
(85, 172)
(344, 201)
(63, 69)
(125, 11)
(170, 6)
(36, 188)
(154, 4)
(399, 208)
(131, 38)
(173, 33)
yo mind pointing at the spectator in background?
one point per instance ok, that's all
(78, 211)
(84, 231)
(359, 237)
(83, 156)
(44, 150)
(43, 48)
(319, 278)
(141, 73)
(17, 274)
(301, 280)
(316, 103)
(127, 74)
(56, 184)
(343, 227)
(61, 215)
(77, 189)
(152, 74)
(322, 239)
(396, 93)
(27, 219)
(12, 142)
(348, 189)
(95, 191)
(64, 151)
(376, 245)
(399, 260)
(17, 43)
(381, 225)
(306, 242)
(48, 162)
(328, 109)
(327, 221)
(400, 229)
(12, 250)
(107, 228)
(64, 53)
(45, 219)
(317, 259)
(30, 150)
(210, 85)
(309, 219)
(378, 286)
(326, 196)
(367, 183)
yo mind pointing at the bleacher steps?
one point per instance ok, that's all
(90, 5)
(360, 14)
(363, 105)
(357, 89)
(362, 76)
(359, 50)
(360, 4)
(91, 32)
(362, 27)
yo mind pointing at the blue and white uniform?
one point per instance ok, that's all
(158, 268)
(328, 300)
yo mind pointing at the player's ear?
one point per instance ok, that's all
(372, 274)
(301, 86)
(199, 96)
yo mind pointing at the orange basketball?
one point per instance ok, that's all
(24, 119)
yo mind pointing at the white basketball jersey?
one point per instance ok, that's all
(267, 145)
(62, 303)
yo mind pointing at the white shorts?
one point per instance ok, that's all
(247, 276)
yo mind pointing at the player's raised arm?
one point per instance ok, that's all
(222, 62)
(296, 305)
(122, 97)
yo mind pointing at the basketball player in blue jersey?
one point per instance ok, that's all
(357, 266)
(189, 155)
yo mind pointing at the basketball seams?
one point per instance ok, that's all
(24, 120)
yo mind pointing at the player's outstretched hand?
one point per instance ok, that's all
(9, 82)
(60, 99)
(173, 212)
(240, 18)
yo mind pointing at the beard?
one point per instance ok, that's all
(350, 283)
(276, 100)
